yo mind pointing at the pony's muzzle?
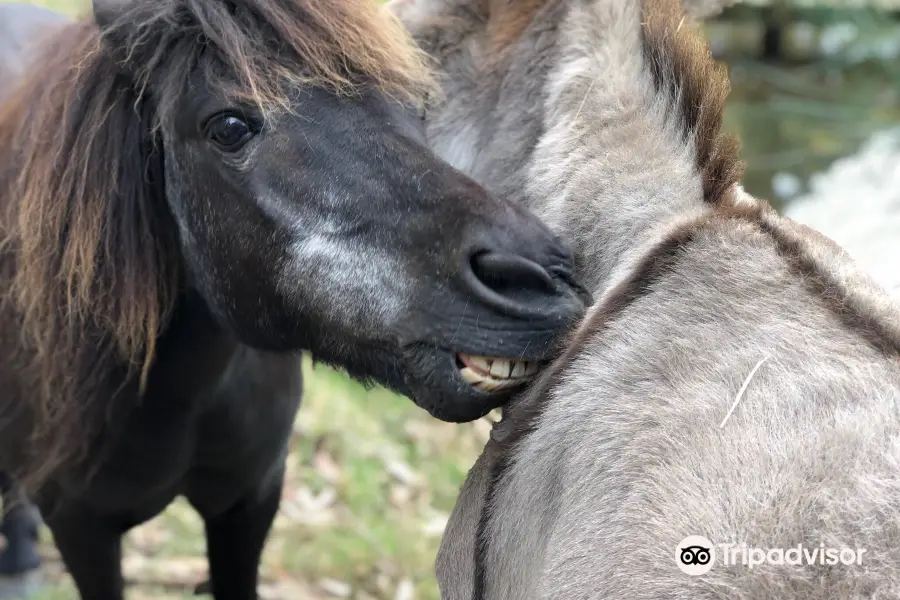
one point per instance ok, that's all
(521, 293)
(520, 288)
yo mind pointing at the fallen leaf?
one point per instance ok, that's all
(326, 466)
(402, 472)
(184, 571)
(148, 538)
(336, 588)
(436, 526)
(400, 495)
(286, 589)
(405, 590)
(383, 583)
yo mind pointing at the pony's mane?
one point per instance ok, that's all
(268, 45)
(684, 71)
(86, 253)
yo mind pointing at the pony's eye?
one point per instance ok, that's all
(228, 132)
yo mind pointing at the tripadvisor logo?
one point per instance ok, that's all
(696, 555)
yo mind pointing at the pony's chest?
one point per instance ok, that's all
(146, 459)
(205, 439)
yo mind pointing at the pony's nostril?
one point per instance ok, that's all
(506, 273)
(512, 282)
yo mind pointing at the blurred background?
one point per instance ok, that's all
(372, 479)
(812, 80)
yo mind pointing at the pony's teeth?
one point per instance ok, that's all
(494, 374)
(502, 385)
(518, 369)
(480, 362)
(486, 385)
(500, 368)
(470, 375)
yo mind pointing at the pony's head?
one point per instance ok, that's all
(268, 156)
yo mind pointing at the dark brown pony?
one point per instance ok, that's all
(194, 190)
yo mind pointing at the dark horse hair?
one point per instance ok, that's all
(91, 268)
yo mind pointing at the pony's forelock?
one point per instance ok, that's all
(267, 47)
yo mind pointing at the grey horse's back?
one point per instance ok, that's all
(22, 26)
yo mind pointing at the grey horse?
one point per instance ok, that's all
(724, 422)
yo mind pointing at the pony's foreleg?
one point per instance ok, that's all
(19, 524)
(91, 548)
(235, 540)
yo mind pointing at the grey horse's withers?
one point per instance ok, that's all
(738, 376)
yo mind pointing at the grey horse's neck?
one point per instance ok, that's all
(576, 127)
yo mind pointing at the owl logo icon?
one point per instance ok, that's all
(695, 555)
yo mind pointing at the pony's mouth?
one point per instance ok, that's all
(495, 374)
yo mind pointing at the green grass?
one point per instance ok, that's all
(371, 481)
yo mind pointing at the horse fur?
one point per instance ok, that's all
(603, 116)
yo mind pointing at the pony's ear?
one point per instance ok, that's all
(106, 12)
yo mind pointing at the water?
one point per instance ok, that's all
(795, 120)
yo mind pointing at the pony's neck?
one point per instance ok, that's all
(613, 164)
